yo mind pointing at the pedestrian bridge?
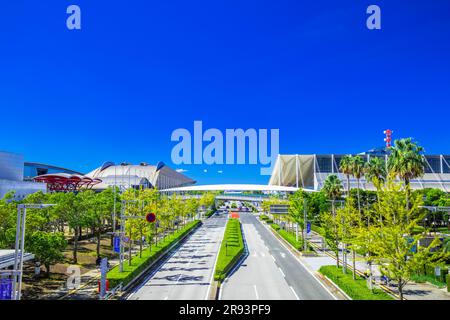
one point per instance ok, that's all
(234, 191)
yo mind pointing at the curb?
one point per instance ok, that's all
(297, 254)
(241, 259)
(334, 285)
(161, 257)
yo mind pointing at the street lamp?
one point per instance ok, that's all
(17, 272)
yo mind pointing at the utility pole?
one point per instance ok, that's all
(122, 235)
(20, 246)
(305, 244)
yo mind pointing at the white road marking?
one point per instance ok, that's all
(281, 271)
(295, 293)
(214, 266)
(273, 258)
(301, 262)
(166, 298)
(283, 255)
(256, 292)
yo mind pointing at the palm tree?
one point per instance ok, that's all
(346, 167)
(375, 170)
(358, 172)
(332, 188)
(406, 161)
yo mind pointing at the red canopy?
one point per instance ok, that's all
(67, 182)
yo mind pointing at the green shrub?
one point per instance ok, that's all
(139, 264)
(355, 289)
(275, 226)
(448, 282)
(231, 249)
(430, 279)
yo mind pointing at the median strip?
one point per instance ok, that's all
(231, 250)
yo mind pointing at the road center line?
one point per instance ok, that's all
(281, 271)
(256, 292)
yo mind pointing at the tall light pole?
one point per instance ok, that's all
(20, 246)
(305, 222)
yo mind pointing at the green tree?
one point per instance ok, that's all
(332, 187)
(375, 170)
(394, 246)
(406, 162)
(69, 206)
(358, 172)
(346, 167)
(47, 247)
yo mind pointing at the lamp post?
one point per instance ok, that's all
(20, 246)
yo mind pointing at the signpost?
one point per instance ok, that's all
(117, 244)
(151, 217)
(103, 271)
(308, 228)
(6, 288)
(279, 209)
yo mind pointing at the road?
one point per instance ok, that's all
(270, 272)
(187, 273)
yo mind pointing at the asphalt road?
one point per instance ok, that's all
(270, 272)
(187, 274)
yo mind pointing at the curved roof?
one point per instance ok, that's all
(160, 176)
(236, 187)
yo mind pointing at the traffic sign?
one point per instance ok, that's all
(5, 288)
(308, 227)
(117, 244)
(279, 208)
(151, 217)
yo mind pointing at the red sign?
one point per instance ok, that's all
(151, 217)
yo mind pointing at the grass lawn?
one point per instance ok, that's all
(139, 264)
(231, 249)
(355, 289)
(430, 279)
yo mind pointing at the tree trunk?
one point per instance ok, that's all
(359, 201)
(47, 270)
(140, 246)
(129, 250)
(354, 264)
(99, 238)
(75, 245)
(400, 289)
(337, 256)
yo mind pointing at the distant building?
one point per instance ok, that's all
(127, 176)
(34, 169)
(12, 168)
(310, 171)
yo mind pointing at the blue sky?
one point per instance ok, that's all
(138, 70)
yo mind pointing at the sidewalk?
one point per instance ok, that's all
(412, 291)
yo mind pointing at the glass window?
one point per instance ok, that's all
(435, 164)
(324, 164)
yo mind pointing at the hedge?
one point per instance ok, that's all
(448, 282)
(139, 264)
(231, 250)
(355, 289)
